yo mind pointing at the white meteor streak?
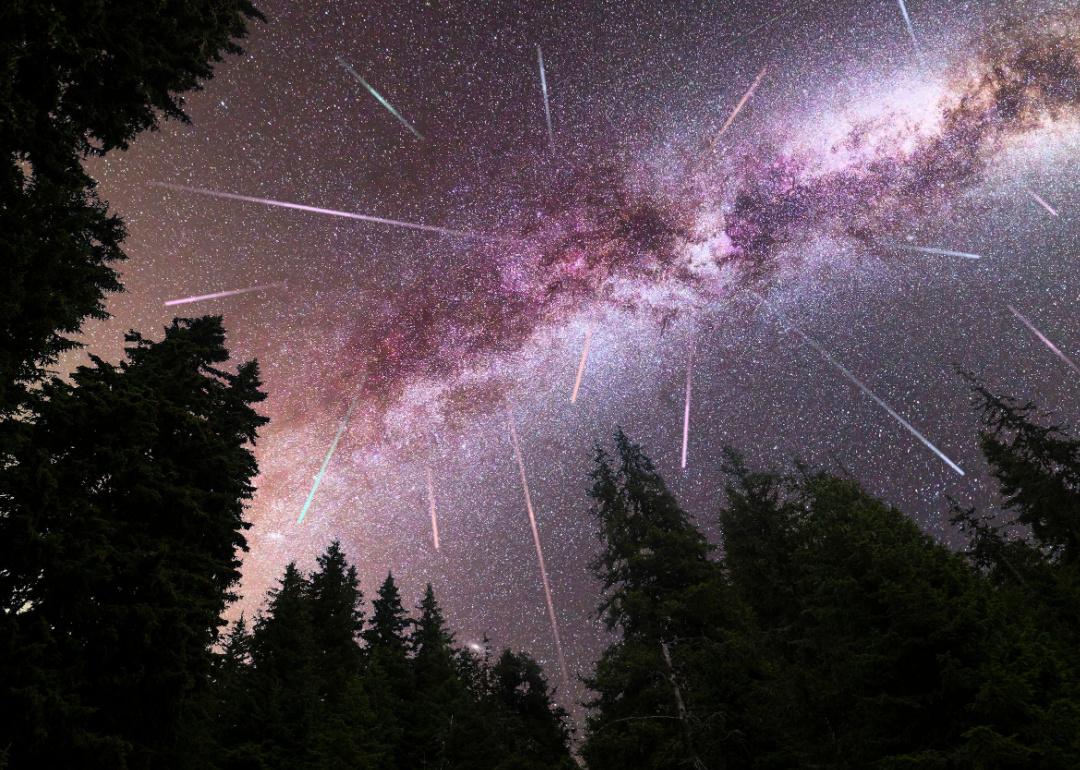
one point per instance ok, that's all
(581, 365)
(220, 294)
(326, 461)
(389, 107)
(544, 89)
(316, 210)
(539, 549)
(928, 250)
(866, 390)
(431, 508)
(910, 28)
(686, 408)
(1042, 203)
(1042, 338)
(742, 102)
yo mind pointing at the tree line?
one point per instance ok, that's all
(824, 629)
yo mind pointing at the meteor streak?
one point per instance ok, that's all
(581, 365)
(1042, 203)
(1042, 338)
(866, 390)
(927, 250)
(389, 107)
(907, 23)
(543, 88)
(317, 210)
(220, 294)
(431, 508)
(326, 461)
(539, 549)
(742, 102)
(686, 408)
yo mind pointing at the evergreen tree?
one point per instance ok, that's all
(1027, 709)
(388, 676)
(666, 599)
(80, 79)
(122, 538)
(439, 692)
(535, 735)
(344, 722)
(284, 676)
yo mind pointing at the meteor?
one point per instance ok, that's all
(326, 461)
(389, 107)
(866, 390)
(220, 294)
(1042, 203)
(1042, 338)
(317, 210)
(686, 408)
(547, 105)
(928, 250)
(581, 365)
(539, 549)
(431, 508)
(742, 102)
(907, 23)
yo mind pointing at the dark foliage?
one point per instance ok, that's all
(832, 632)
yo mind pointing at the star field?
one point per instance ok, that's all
(640, 226)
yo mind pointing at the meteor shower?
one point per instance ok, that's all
(601, 384)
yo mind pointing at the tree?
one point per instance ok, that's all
(285, 675)
(665, 597)
(536, 733)
(344, 723)
(122, 541)
(388, 677)
(440, 694)
(80, 79)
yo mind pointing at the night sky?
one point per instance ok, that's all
(769, 245)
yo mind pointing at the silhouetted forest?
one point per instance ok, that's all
(825, 630)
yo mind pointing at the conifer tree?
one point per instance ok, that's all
(344, 721)
(80, 79)
(284, 677)
(439, 692)
(388, 676)
(661, 590)
(122, 548)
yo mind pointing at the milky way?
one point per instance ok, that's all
(677, 163)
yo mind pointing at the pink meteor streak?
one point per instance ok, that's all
(220, 294)
(317, 210)
(810, 341)
(431, 508)
(742, 102)
(539, 549)
(581, 365)
(1044, 204)
(686, 408)
(1042, 338)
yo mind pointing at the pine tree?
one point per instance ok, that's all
(388, 676)
(284, 675)
(661, 593)
(344, 722)
(122, 548)
(533, 730)
(80, 79)
(439, 692)
(1027, 710)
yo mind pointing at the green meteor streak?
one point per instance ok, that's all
(389, 107)
(326, 461)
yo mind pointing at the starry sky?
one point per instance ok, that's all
(737, 191)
